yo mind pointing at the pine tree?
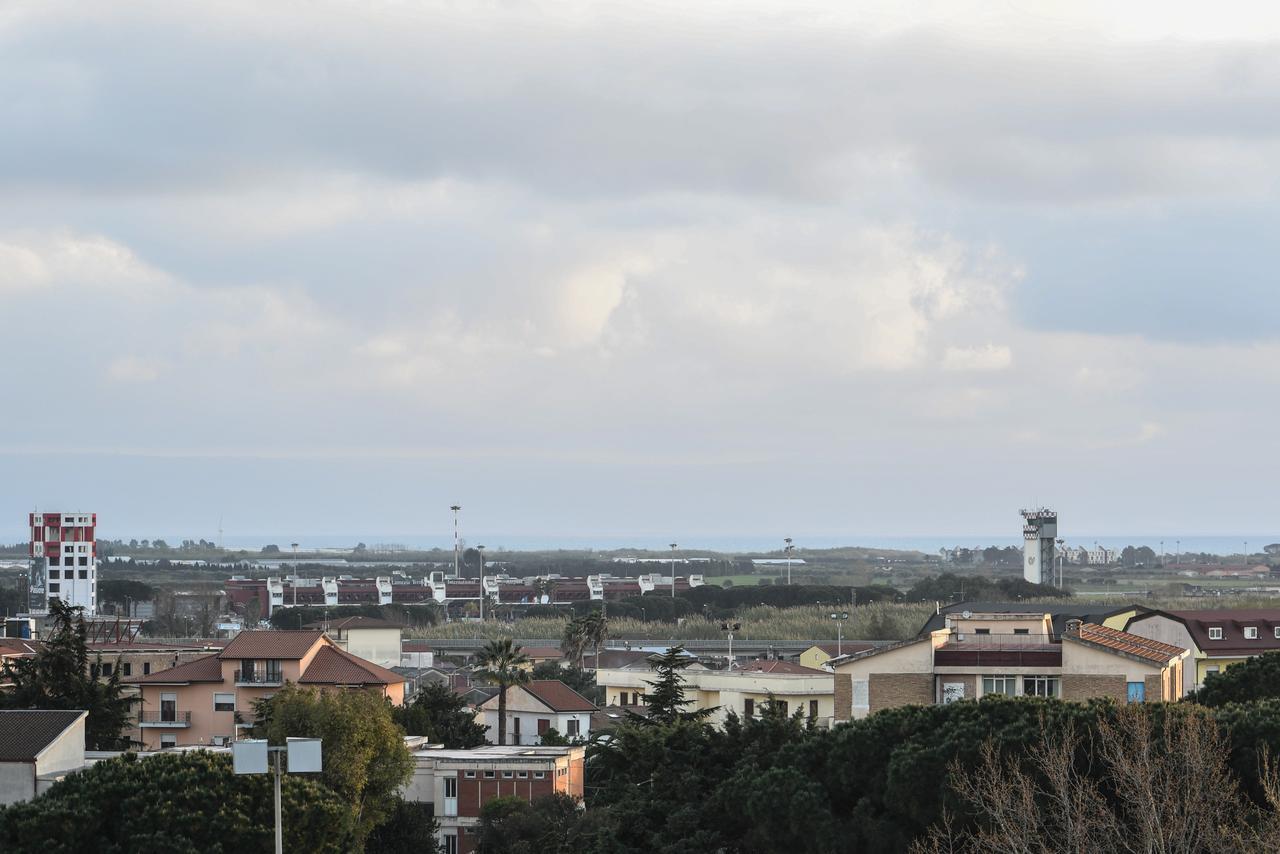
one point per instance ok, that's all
(59, 677)
(665, 699)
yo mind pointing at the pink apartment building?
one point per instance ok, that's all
(198, 702)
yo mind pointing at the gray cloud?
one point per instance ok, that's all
(532, 251)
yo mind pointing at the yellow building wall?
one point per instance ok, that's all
(814, 657)
(1203, 665)
(1119, 621)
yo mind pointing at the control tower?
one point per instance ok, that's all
(1039, 531)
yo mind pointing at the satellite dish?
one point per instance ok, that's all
(967, 614)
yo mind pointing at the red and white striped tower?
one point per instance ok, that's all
(64, 558)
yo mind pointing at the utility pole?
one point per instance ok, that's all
(673, 570)
(788, 550)
(455, 508)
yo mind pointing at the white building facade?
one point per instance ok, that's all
(64, 561)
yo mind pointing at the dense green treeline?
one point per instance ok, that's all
(773, 783)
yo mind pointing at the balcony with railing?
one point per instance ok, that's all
(259, 678)
(164, 719)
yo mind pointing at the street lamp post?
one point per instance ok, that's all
(455, 508)
(295, 574)
(673, 570)
(1061, 543)
(730, 628)
(480, 550)
(840, 618)
(788, 550)
(250, 756)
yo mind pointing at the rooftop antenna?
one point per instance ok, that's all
(219, 533)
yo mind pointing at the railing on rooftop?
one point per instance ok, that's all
(971, 638)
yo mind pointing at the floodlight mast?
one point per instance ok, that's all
(250, 757)
(455, 508)
(673, 570)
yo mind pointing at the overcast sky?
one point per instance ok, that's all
(652, 270)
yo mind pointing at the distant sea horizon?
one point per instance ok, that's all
(1220, 544)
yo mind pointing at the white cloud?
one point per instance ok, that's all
(988, 357)
(133, 369)
(87, 262)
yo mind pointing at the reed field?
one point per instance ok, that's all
(876, 621)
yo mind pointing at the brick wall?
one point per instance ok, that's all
(844, 696)
(1155, 688)
(890, 690)
(1083, 687)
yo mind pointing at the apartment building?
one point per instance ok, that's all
(1217, 639)
(369, 638)
(1060, 614)
(538, 706)
(1015, 654)
(142, 656)
(203, 701)
(740, 690)
(64, 558)
(460, 782)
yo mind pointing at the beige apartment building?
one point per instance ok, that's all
(369, 638)
(975, 655)
(203, 701)
(741, 690)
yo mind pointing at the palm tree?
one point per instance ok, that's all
(574, 641)
(502, 663)
(595, 631)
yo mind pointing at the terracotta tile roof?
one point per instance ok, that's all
(25, 733)
(355, 623)
(777, 667)
(333, 666)
(205, 669)
(146, 646)
(616, 659)
(546, 652)
(19, 647)
(1134, 645)
(558, 696)
(281, 644)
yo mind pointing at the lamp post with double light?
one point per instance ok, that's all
(840, 617)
